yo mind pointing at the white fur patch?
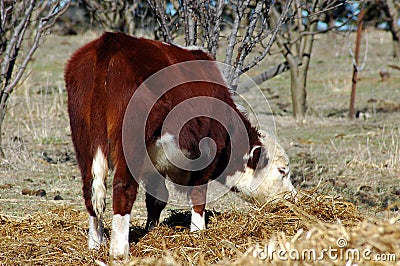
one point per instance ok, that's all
(166, 144)
(165, 150)
(96, 233)
(242, 180)
(99, 191)
(119, 246)
(198, 222)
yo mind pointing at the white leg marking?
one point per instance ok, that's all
(96, 232)
(119, 246)
(99, 191)
(198, 222)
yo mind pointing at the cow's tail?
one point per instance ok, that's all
(99, 190)
(106, 48)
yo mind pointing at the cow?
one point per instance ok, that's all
(108, 131)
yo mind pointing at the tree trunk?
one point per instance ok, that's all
(298, 90)
(298, 73)
(301, 48)
(2, 115)
(396, 48)
(352, 112)
(394, 28)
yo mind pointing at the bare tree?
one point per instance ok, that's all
(257, 33)
(116, 15)
(296, 42)
(165, 22)
(16, 19)
(201, 21)
(198, 20)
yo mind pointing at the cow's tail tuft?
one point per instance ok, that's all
(99, 190)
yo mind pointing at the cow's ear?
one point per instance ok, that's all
(258, 157)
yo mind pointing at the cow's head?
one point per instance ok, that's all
(271, 175)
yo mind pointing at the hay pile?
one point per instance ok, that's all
(368, 243)
(60, 236)
(231, 234)
(56, 237)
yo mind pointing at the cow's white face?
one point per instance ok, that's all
(266, 182)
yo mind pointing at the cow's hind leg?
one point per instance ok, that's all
(94, 168)
(124, 195)
(156, 200)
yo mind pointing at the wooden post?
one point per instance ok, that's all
(355, 64)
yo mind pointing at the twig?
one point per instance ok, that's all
(158, 11)
(240, 6)
(215, 32)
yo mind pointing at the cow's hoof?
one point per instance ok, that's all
(118, 260)
(150, 226)
(95, 244)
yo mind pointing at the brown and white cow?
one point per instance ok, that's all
(101, 79)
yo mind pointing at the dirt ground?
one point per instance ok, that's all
(358, 160)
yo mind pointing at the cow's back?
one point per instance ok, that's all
(102, 76)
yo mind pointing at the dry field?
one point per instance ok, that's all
(349, 172)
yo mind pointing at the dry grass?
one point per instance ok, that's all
(368, 243)
(59, 236)
(231, 233)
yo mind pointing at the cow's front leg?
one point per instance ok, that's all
(197, 202)
(156, 200)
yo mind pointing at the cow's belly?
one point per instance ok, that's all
(169, 160)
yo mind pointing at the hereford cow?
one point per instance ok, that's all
(117, 121)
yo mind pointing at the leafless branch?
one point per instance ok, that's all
(278, 27)
(240, 6)
(108, 13)
(158, 9)
(12, 49)
(190, 23)
(45, 23)
(304, 33)
(361, 66)
(266, 75)
(213, 44)
(247, 45)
